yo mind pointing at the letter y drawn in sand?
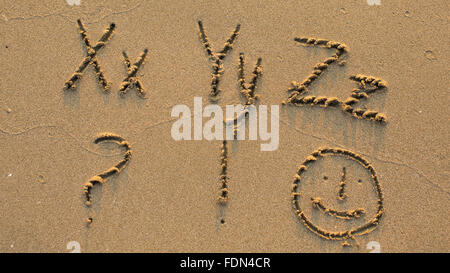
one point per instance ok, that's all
(367, 84)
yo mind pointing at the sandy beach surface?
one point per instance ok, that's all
(165, 199)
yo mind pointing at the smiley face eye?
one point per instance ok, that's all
(325, 177)
(360, 181)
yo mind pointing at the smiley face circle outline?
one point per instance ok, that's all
(367, 227)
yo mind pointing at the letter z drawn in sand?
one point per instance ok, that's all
(298, 90)
(248, 91)
(298, 195)
(102, 177)
(91, 57)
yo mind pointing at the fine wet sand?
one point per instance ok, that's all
(165, 198)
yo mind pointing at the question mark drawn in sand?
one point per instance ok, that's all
(247, 90)
(367, 84)
(216, 58)
(74, 246)
(365, 228)
(102, 177)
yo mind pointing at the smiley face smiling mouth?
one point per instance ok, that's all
(348, 214)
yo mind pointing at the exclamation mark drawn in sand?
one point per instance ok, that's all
(91, 57)
(318, 203)
(102, 177)
(298, 90)
(216, 58)
(132, 80)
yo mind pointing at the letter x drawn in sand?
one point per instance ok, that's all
(91, 57)
(131, 79)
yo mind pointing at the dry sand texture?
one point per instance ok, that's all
(165, 197)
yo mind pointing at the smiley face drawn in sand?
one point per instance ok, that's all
(320, 211)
